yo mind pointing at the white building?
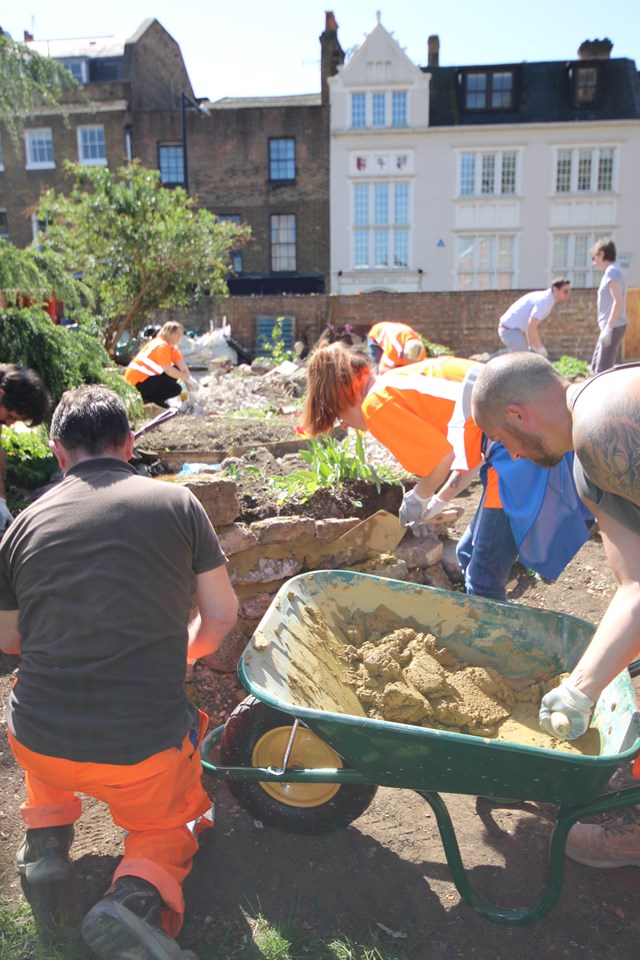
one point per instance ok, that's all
(480, 177)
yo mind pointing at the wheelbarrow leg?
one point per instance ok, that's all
(567, 816)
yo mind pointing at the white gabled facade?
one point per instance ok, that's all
(474, 204)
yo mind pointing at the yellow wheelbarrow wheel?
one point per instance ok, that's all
(257, 735)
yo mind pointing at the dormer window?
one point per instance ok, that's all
(488, 89)
(78, 67)
(585, 85)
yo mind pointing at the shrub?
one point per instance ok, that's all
(571, 367)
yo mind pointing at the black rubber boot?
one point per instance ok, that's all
(43, 855)
(126, 925)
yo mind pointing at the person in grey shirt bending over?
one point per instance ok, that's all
(518, 327)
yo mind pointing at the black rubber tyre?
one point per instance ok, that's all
(256, 735)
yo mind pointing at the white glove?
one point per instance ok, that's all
(435, 506)
(605, 337)
(192, 385)
(565, 712)
(413, 511)
(542, 350)
(5, 517)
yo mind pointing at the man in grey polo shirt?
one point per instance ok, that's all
(524, 403)
(97, 580)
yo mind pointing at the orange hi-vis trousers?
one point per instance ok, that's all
(155, 800)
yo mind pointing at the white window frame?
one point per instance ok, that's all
(573, 158)
(379, 240)
(282, 246)
(91, 161)
(29, 137)
(388, 114)
(480, 277)
(477, 170)
(575, 264)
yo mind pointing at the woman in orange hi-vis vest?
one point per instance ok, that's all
(394, 345)
(157, 369)
(422, 414)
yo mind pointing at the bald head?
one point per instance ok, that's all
(512, 379)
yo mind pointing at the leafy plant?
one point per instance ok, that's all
(571, 367)
(332, 462)
(436, 349)
(274, 346)
(138, 246)
(29, 463)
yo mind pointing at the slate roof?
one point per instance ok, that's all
(543, 94)
(295, 100)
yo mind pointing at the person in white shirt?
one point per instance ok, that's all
(519, 326)
(612, 296)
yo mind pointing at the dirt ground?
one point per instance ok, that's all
(386, 874)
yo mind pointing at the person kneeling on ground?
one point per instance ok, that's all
(99, 704)
(393, 344)
(156, 370)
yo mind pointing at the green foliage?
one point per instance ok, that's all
(274, 347)
(39, 275)
(64, 358)
(29, 81)
(138, 246)
(436, 349)
(571, 367)
(29, 462)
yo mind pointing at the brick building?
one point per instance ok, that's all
(122, 80)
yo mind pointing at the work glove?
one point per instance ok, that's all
(5, 517)
(412, 511)
(605, 337)
(412, 350)
(542, 350)
(565, 712)
(435, 506)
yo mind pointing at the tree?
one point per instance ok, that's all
(29, 81)
(138, 246)
(36, 275)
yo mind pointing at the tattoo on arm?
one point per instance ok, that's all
(608, 446)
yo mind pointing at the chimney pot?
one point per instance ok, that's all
(433, 50)
(330, 21)
(28, 37)
(595, 49)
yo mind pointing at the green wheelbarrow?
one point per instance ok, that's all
(301, 754)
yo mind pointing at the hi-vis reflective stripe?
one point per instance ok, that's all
(459, 393)
(389, 339)
(143, 362)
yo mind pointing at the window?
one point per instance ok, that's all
(379, 109)
(485, 262)
(585, 86)
(283, 242)
(358, 110)
(4, 224)
(488, 89)
(399, 109)
(92, 148)
(570, 257)
(488, 173)
(1, 156)
(585, 170)
(282, 159)
(39, 147)
(77, 67)
(381, 225)
(236, 255)
(171, 164)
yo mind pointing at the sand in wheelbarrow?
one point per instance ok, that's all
(405, 676)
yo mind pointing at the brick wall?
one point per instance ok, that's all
(466, 322)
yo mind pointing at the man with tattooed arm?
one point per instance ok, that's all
(522, 402)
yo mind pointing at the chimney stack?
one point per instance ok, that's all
(28, 37)
(433, 50)
(331, 54)
(595, 49)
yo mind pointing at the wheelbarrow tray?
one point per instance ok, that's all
(289, 665)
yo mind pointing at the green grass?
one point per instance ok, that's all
(259, 939)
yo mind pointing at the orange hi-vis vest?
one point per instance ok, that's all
(418, 413)
(151, 360)
(392, 338)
